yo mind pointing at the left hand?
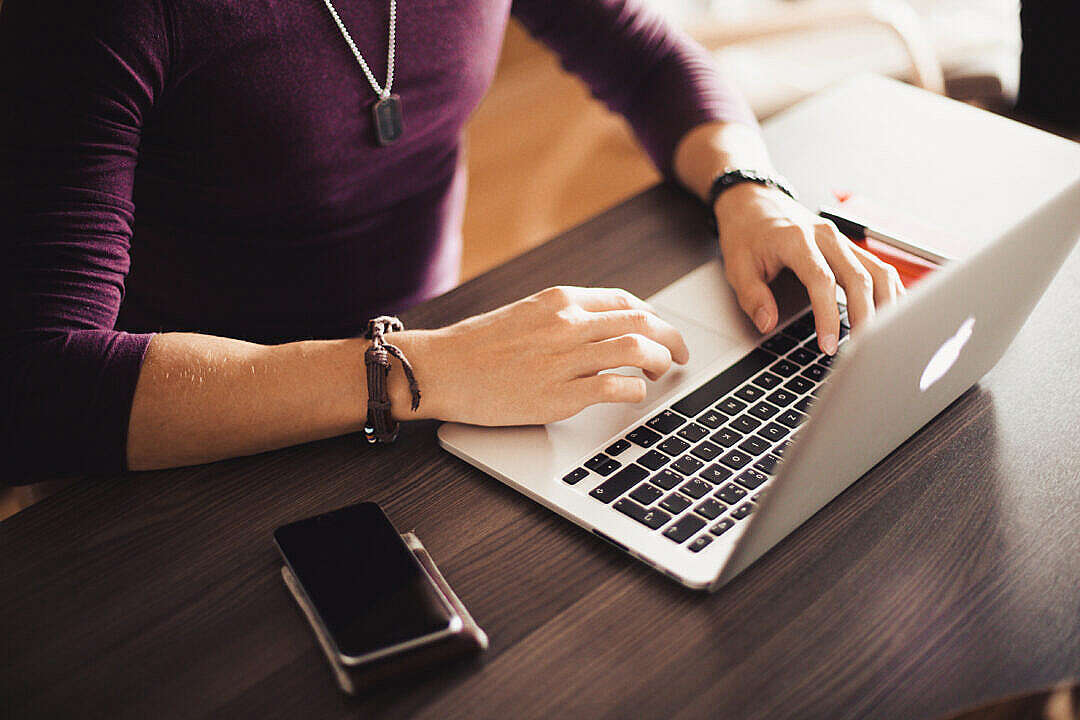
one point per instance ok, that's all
(762, 231)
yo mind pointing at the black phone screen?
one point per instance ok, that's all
(366, 585)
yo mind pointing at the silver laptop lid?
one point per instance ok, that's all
(917, 357)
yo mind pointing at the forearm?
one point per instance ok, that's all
(541, 359)
(706, 150)
(201, 398)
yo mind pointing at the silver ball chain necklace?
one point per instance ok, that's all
(386, 112)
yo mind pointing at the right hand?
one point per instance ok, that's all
(536, 360)
(762, 231)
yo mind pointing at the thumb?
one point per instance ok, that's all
(754, 295)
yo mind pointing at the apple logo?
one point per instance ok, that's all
(946, 355)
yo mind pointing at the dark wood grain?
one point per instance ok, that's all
(947, 576)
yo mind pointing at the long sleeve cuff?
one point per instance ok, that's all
(69, 399)
(686, 89)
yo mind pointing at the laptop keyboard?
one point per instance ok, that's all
(696, 468)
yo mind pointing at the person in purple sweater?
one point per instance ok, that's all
(198, 218)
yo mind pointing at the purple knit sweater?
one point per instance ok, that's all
(209, 166)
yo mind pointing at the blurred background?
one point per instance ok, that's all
(544, 156)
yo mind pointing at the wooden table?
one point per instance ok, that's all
(946, 576)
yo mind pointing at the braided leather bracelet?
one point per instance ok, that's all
(381, 425)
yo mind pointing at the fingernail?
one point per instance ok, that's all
(761, 319)
(828, 344)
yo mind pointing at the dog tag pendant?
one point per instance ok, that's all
(387, 116)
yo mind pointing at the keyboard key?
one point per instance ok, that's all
(647, 494)
(715, 473)
(751, 479)
(763, 410)
(707, 451)
(711, 419)
(693, 432)
(731, 406)
(801, 328)
(804, 404)
(666, 422)
(619, 483)
(674, 446)
(767, 380)
(782, 448)
(722, 527)
(700, 543)
(753, 445)
(745, 424)
(653, 460)
(816, 373)
(749, 393)
(782, 397)
(710, 509)
(688, 465)
(684, 528)
(785, 368)
(735, 459)
(696, 488)
(596, 461)
(798, 385)
(773, 432)
(675, 503)
(643, 437)
(792, 418)
(726, 437)
(779, 344)
(575, 476)
(653, 519)
(609, 467)
(617, 447)
(767, 464)
(602, 464)
(666, 479)
(799, 332)
(827, 360)
(723, 383)
(802, 356)
(742, 511)
(730, 493)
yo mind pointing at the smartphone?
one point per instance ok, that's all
(371, 595)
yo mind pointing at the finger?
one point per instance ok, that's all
(624, 351)
(802, 255)
(856, 280)
(601, 299)
(887, 284)
(755, 298)
(609, 387)
(613, 323)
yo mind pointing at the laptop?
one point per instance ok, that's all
(731, 453)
